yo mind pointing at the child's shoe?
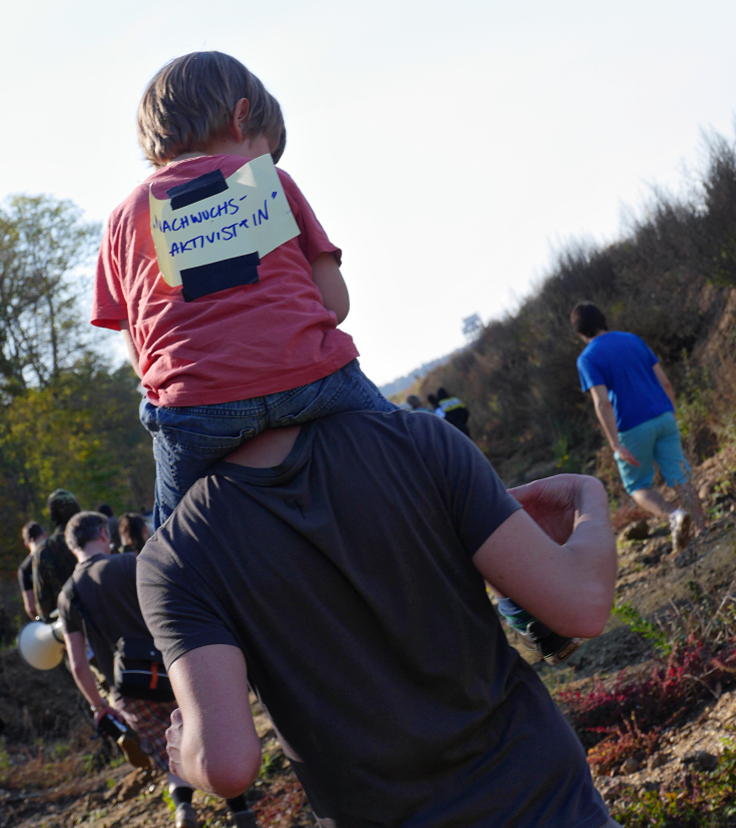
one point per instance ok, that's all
(553, 648)
(681, 525)
(244, 819)
(185, 816)
(132, 750)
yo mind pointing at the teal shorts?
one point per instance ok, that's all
(656, 441)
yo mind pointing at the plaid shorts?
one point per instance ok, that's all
(149, 719)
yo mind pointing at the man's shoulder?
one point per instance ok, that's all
(67, 596)
(618, 339)
(400, 424)
(610, 342)
(109, 562)
(53, 548)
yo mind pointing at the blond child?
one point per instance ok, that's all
(245, 342)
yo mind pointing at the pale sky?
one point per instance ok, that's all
(448, 148)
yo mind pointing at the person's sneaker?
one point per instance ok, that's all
(185, 816)
(244, 819)
(553, 648)
(681, 525)
(132, 750)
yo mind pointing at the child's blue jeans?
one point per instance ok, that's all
(187, 440)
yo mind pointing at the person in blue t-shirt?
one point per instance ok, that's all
(635, 405)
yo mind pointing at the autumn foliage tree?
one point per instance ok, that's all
(67, 419)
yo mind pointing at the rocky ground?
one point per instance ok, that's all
(55, 772)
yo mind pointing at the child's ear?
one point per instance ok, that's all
(239, 119)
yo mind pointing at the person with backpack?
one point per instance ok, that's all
(99, 607)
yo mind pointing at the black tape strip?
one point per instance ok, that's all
(206, 185)
(211, 278)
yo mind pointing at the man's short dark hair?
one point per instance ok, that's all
(587, 319)
(31, 531)
(83, 528)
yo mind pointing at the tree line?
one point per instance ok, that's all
(68, 417)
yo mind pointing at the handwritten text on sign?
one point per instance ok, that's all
(251, 215)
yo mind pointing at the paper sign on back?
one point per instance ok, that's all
(249, 214)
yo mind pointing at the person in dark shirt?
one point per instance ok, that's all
(133, 532)
(33, 536)
(52, 562)
(98, 606)
(452, 409)
(351, 597)
(112, 525)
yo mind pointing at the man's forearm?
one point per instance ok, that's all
(212, 741)
(87, 685)
(83, 677)
(607, 421)
(29, 603)
(556, 557)
(592, 541)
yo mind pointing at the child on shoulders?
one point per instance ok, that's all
(228, 345)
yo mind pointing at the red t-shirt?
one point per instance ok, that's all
(238, 343)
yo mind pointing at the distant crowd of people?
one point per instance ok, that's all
(48, 562)
(84, 572)
(444, 405)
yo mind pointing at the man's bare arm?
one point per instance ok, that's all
(557, 557)
(607, 420)
(212, 741)
(76, 648)
(29, 603)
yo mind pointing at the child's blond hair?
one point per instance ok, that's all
(190, 101)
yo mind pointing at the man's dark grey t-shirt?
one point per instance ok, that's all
(25, 574)
(106, 607)
(345, 576)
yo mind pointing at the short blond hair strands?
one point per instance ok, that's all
(190, 101)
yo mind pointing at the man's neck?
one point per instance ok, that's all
(266, 449)
(91, 550)
(588, 339)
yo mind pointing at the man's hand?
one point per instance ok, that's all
(105, 710)
(556, 557)
(625, 455)
(173, 742)
(556, 503)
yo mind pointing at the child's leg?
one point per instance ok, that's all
(188, 440)
(552, 647)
